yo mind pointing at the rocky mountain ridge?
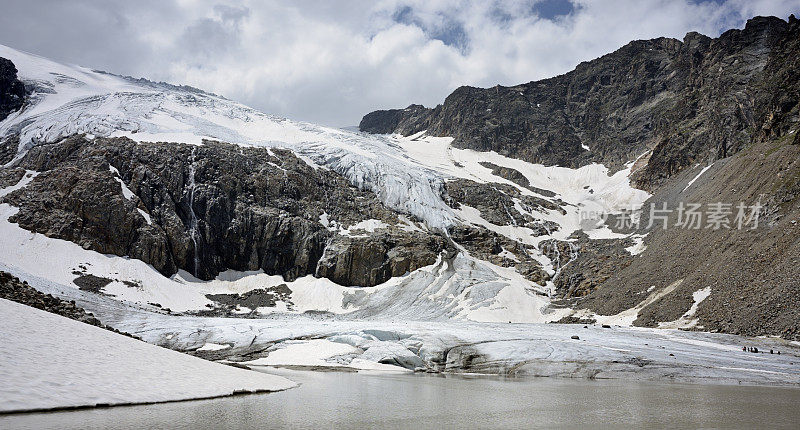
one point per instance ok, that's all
(708, 120)
(678, 102)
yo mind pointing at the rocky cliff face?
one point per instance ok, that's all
(406, 121)
(12, 90)
(12, 97)
(681, 102)
(214, 207)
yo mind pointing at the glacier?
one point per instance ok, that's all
(69, 99)
(407, 174)
(460, 314)
(310, 341)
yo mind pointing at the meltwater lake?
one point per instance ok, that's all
(388, 400)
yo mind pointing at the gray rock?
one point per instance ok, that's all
(689, 101)
(12, 90)
(248, 209)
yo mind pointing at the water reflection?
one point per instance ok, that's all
(358, 400)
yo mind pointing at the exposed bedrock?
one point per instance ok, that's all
(504, 205)
(12, 97)
(209, 208)
(487, 245)
(497, 203)
(12, 90)
(372, 259)
(405, 121)
(596, 261)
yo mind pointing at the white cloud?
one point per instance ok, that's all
(332, 62)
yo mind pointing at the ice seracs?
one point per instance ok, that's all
(71, 99)
(407, 174)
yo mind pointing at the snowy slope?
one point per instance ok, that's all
(61, 363)
(532, 349)
(71, 99)
(465, 288)
(406, 173)
(589, 189)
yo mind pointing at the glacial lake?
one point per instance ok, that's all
(387, 400)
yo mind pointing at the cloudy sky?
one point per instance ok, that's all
(331, 61)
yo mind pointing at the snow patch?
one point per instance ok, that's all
(697, 177)
(209, 346)
(326, 222)
(312, 353)
(638, 244)
(508, 255)
(369, 225)
(687, 320)
(26, 179)
(126, 192)
(408, 225)
(628, 316)
(146, 216)
(48, 361)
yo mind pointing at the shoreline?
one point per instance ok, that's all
(127, 404)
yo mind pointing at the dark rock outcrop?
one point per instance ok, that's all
(405, 121)
(9, 177)
(497, 202)
(684, 101)
(487, 245)
(210, 208)
(596, 261)
(254, 299)
(92, 283)
(516, 177)
(371, 259)
(12, 90)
